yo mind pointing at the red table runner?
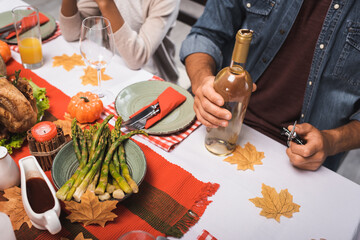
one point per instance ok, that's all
(169, 202)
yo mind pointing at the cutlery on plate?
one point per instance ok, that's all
(7, 28)
(139, 120)
(4, 35)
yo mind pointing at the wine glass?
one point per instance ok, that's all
(97, 48)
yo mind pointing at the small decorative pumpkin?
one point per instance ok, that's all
(86, 107)
(5, 51)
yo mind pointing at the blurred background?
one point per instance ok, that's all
(189, 11)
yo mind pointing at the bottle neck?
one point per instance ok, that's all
(237, 65)
(241, 48)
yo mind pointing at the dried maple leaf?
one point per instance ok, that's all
(90, 76)
(90, 210)
(65, 126)
(69, 119)
(246, 157)
(68, 62)
(80, 236)
(274, 205)
(14, 208)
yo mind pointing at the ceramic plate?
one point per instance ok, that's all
(65, 163)
(47, 29)
(138, 95)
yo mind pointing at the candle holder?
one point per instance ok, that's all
(46, 151)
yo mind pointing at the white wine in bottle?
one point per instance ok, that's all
(234, 84)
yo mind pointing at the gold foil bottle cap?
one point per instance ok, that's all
(241, 48)
(244, 36)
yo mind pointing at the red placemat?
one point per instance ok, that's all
(169, 202)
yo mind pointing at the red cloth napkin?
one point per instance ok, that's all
(27, 23)
(168, 100)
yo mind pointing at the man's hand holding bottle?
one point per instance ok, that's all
(208, 104)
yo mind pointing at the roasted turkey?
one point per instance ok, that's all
(18, 111)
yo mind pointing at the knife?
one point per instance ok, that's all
(139, 120)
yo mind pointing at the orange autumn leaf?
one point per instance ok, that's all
(80, 236)
(14, 208)
(246, 157)
(69, 119)
(90, 76)
(68, 62)
(275, 205)
(90, 210)
(65, 125)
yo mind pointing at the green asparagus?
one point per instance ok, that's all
(84, 149)
(75, 138)
(97, 135)
(100, 189)
(93, 183)
(125, 170)
(119, 179)
(80, 190)
(86, 168)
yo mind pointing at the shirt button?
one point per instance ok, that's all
(336, 6)
(302, 115)
(282, 31)
(310, 83)
(321, 46)
(248, 5)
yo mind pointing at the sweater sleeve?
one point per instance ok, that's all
(137, 47)
(71, 26)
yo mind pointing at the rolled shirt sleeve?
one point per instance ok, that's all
(198, 43)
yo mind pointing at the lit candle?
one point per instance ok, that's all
(44, 131)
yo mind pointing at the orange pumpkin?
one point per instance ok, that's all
(5, 51)
(86, 107)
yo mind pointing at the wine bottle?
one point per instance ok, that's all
(234, 84)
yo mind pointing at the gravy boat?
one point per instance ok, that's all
(48, 220)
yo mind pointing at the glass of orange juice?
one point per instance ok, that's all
(27, 26)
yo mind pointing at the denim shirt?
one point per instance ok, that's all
(332, 95)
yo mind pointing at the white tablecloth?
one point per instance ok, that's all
(330, 203)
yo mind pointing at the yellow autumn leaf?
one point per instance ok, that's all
(68, 62)
(14, 208)
(275, 205)
(90, 210)
(246, 157)
(90, 76)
